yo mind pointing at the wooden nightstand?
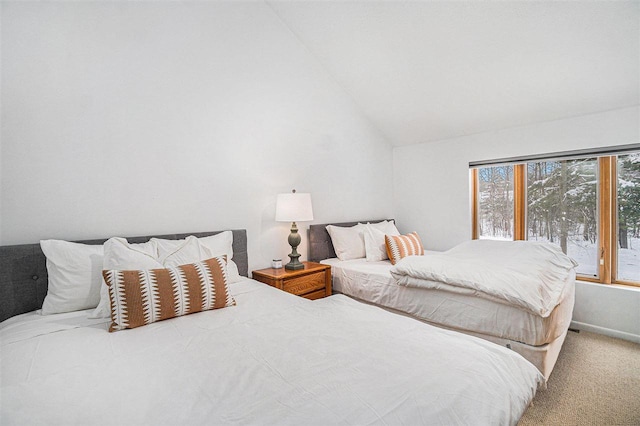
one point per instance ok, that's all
(312, 282)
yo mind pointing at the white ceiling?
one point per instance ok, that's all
(427, 71)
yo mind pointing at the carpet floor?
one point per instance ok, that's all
(596, 381)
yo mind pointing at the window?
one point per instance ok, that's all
(588, 206)
(562, 208)
(495, 202)
(628, 220)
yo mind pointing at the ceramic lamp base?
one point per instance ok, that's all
(294, 265)
(294, 242)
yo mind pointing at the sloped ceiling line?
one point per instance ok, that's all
(431, 71)
(328, 73)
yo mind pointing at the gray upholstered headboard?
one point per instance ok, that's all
(320, 246)
(23, 270)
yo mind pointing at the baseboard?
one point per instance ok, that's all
(606, 331)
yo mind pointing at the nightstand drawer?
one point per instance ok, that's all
(305, 284)
(315, 295)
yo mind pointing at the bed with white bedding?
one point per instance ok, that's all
(537, 335)
(271, 358)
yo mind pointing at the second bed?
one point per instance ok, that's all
(537, 338)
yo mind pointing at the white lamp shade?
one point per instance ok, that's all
(294, 207)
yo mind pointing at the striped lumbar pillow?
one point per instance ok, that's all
(146, 296)
(402, 246)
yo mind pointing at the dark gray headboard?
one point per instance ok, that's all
(23, 270)
(320, 246)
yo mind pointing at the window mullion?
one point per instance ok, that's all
(606, 221)
(519, 202)
(613, 223)
(474, 204)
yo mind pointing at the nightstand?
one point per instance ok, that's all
(312, 282)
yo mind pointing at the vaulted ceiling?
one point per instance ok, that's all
(427, 71)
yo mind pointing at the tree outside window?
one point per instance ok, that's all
(495, 202)
(562, 207)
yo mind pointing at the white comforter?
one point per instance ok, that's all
(526, 274)
(272, 359)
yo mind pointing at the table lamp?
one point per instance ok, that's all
(294, 207)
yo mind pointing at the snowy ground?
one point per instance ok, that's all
(586, 254)
(629, 261)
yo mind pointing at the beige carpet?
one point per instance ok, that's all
(596, 381)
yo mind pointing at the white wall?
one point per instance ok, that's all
(608, 309)
(431, 191)
(134, 118)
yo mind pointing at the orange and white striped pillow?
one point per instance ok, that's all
(402, 246)
(142, 297)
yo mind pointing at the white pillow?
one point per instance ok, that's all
(386, 226)
(221, 243)
(122, 255)
(374, 244)
(218, 245)
(75, 276)
(348, 242)
(180, 252)
(212, 246)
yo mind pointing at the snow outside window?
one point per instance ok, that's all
(562, 208)
(495, 203)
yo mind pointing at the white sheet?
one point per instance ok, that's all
(272, 359)
(527, 274)
(372, 282)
